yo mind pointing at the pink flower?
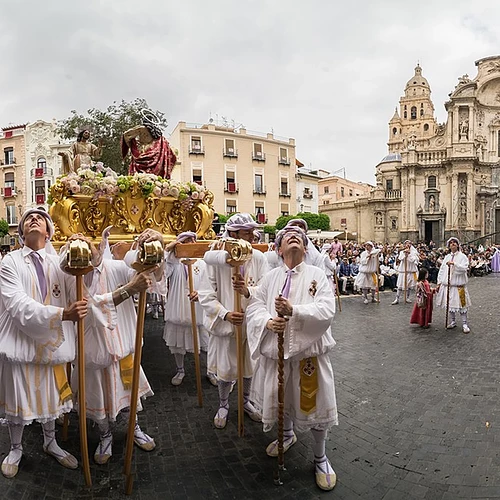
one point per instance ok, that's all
(195, 195)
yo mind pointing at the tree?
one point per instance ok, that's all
(107, 127)
(314, 221)
(4, 228)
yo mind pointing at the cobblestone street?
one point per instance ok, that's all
(418, 410)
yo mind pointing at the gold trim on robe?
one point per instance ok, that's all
(308, 384)
(61, 379)
(127, 370)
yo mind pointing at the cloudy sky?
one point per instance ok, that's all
(327, 73)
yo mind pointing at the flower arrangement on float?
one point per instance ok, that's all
(101, 182)
(94, 197)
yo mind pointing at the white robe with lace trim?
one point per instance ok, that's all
(308, 333)
(216, 296)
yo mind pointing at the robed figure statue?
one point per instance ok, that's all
(149, 150)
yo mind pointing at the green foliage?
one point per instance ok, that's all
(107, 127)
(270, 229)
(223, 218)
(4, 227)
(314, 221)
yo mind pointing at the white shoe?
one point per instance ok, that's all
(451, 325)
(212, 378)
(178, 378)
(465, 329)
(395, 302)
(365, 301)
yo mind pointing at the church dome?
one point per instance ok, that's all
(417, 82)
(391, 157)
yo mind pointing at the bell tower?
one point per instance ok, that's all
(415, 121)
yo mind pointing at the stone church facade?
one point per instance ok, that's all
(438, 179)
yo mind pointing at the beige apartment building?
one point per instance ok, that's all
(438, 179)
(12, 174)
(247, 171)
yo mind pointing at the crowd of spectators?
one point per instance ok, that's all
(348, 256)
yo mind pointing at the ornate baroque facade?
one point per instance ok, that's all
(438, 180)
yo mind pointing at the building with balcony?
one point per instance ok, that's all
(307, 188)
(247, 171)
(12, 174)
(43, 163)
(437, 180)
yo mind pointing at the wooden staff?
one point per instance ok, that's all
(239, 356)
(378, 274)
(448, 296)
(406, 276)
(281, 408)
(66, 415)
(78, 265)
(146, 261)
(337, 290)
(189, 263)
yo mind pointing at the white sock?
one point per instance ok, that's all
(179, 361)
(319, 447)
(105, 438)
(49, 439)
(16, 447)
(463, 315)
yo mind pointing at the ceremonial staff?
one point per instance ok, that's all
(240, 251)
(189, 264)
(149, 256)
(377, 277)
(79, 264)
(448, 295)
(337, 290)
(406, 275)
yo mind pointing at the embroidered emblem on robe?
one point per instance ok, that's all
(56, 290)
(313, 288)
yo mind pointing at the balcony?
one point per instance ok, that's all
(230, 153)
(231, 187)
(284, 161)
(196, 149)
(7, 163)
(308, 195)
(285, 194)
(262, 218)
(8, 192)
(37, 173)
(392, 194)
(40, 199)
(258, 156)
(259, 190)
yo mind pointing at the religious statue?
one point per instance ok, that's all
(149, 150)
(81, 153)
(464, 129)
(378, 219)
(432, 203)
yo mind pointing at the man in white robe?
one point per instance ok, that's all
(407, 271)
(216, 295)
(305, 317)
(367, 278)
(110, 343)
(455, 265)
(178, 331)
(37, 338)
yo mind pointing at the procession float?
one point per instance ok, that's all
(89, 197)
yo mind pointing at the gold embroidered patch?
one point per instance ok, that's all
(308, 384)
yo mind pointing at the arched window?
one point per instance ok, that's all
(421, 112)
(406, 115)
(426, 127)
(431, 181)
(394, 131)
(41, 163)
(413, 112)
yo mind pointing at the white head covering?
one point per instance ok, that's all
(41, 211)
(239, 221)
(289, 229)
(452, 239)
(256, 234)
(186, 235)
(298, 222)
(370, 243)
(104, 245)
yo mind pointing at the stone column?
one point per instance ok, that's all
(482, 217)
